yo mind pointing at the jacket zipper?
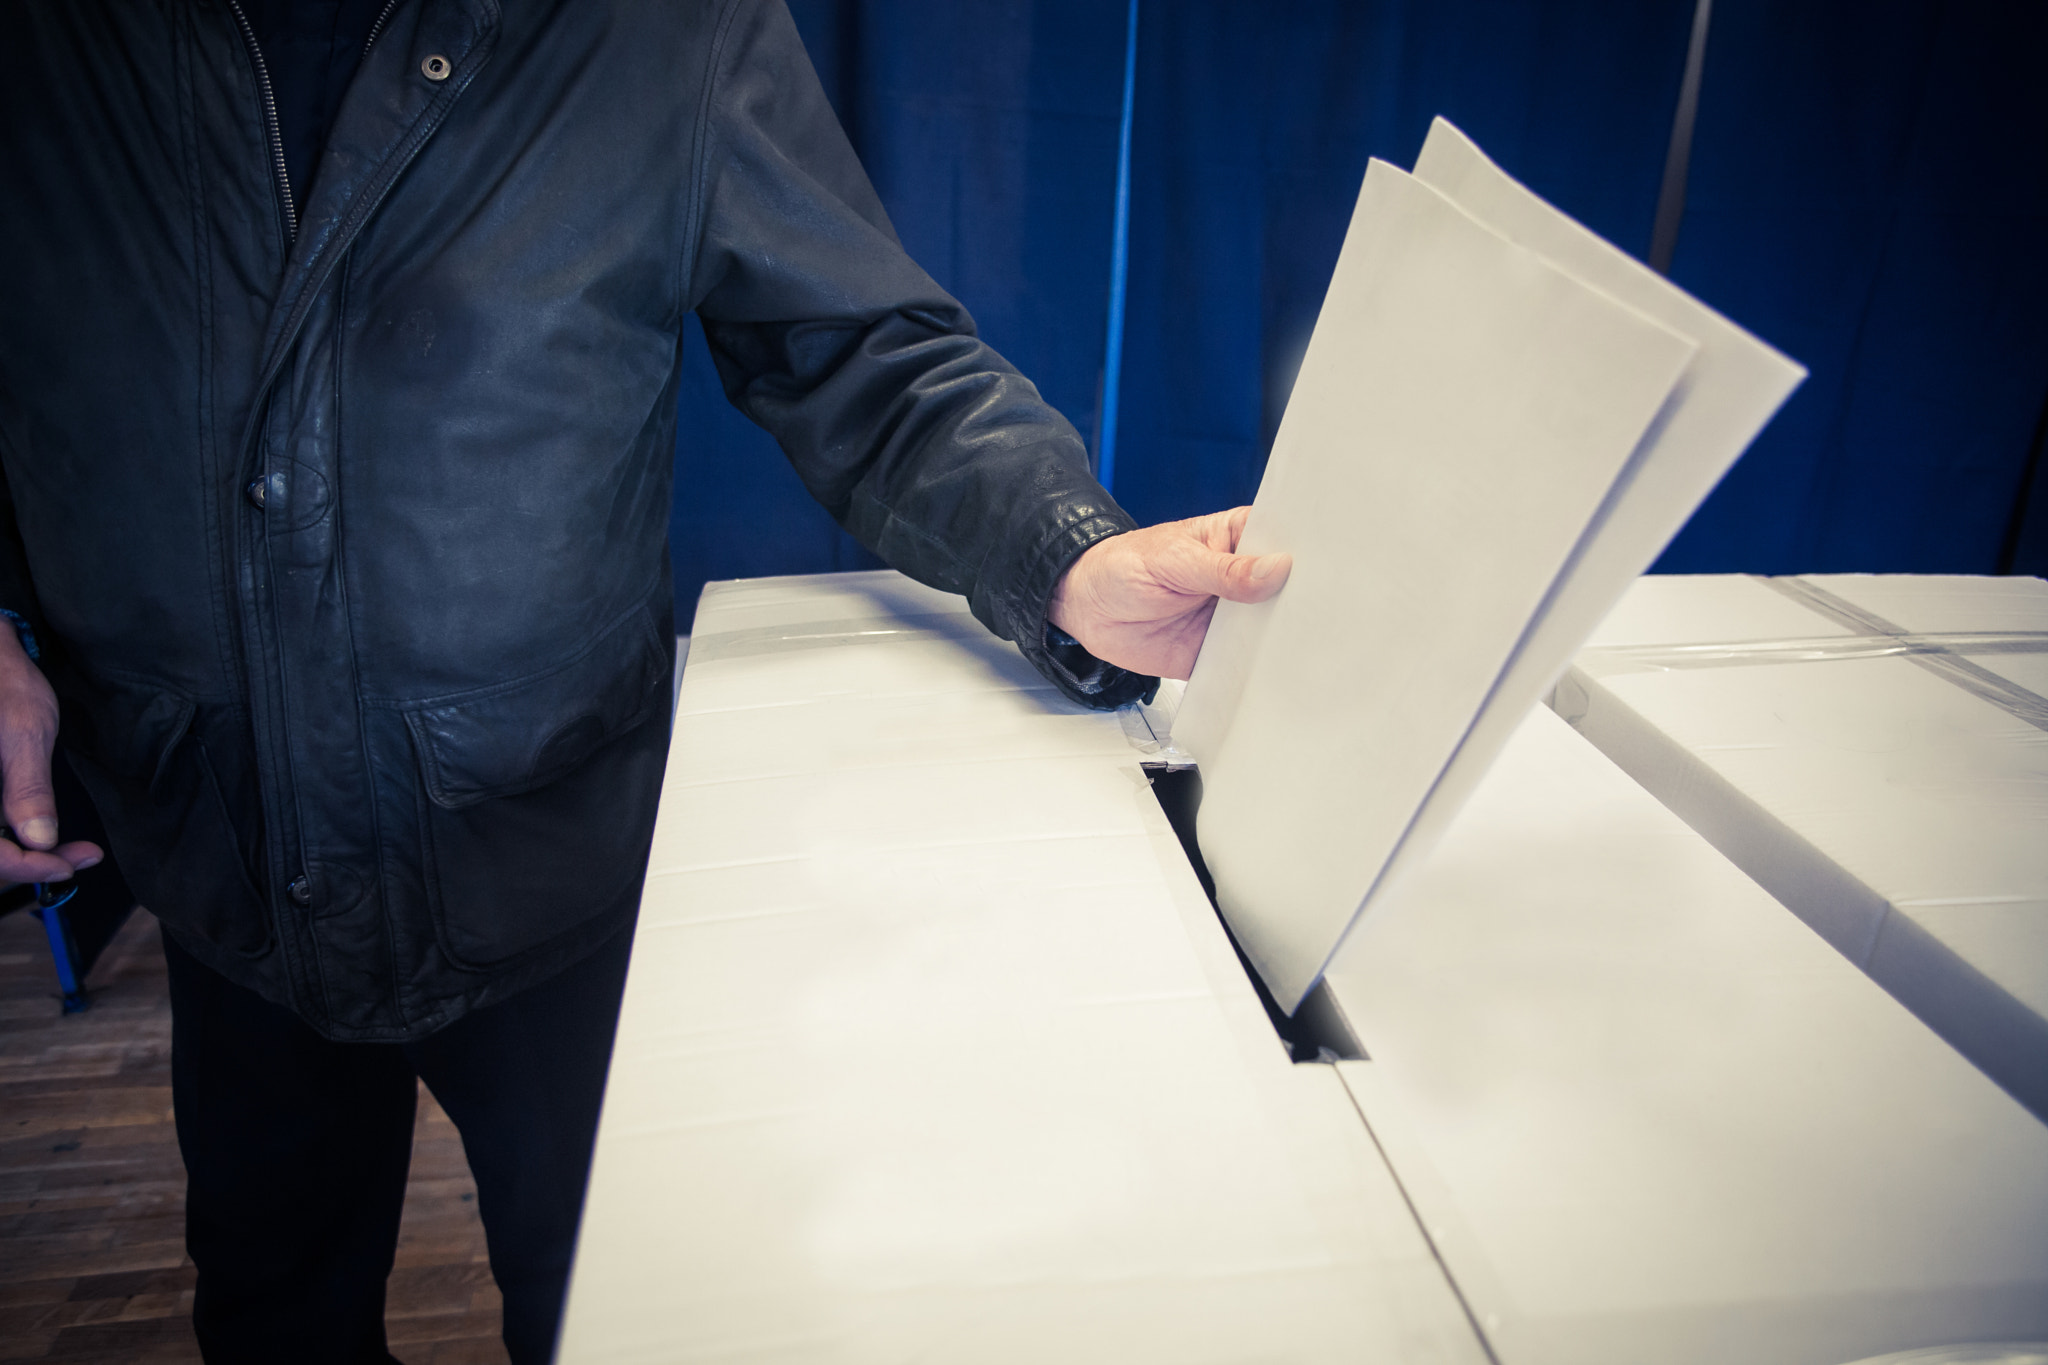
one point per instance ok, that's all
(378, 27)
(284, 184)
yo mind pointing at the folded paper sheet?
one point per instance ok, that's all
(1499, 423)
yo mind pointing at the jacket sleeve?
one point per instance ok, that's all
(925, 444)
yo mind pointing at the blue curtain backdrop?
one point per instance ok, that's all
(1869, 191)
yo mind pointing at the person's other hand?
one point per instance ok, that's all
(28, 732)
(1142, 600)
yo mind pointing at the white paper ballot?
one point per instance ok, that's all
(1499, 423)
(1722, 401)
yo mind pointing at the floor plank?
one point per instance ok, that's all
(92, 1192)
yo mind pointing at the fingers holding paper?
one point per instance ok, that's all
(1142, 600)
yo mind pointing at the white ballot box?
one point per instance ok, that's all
(1648, 1115)
(933, 1049)
(1874, 751)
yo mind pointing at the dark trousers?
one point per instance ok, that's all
(296, 1151)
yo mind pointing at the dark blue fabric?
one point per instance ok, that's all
(311, 49)
(1252, 136)
(1869, 192)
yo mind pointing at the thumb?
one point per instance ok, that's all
(26, 797)
(1239, 578)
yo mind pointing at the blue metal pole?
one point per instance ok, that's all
(1119, 263)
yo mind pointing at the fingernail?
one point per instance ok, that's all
(1263, 567)
(89, 860)
(39, 832)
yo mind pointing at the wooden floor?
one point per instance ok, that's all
(92, 1194)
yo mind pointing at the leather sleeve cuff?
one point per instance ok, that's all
(1086, 678)
(1078, 675)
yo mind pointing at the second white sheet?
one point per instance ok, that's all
(1463, 408)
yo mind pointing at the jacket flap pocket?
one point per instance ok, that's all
(498, 741)
(128, 726)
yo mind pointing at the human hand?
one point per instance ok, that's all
(1142, 600)
(28, 732)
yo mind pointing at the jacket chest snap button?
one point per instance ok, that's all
(435, 68)
(264, 489)
(301, 892)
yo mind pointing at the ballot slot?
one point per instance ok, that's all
(1315, 1032)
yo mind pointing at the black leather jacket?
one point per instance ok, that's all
(344, 522)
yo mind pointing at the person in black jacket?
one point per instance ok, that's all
(338, 355)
